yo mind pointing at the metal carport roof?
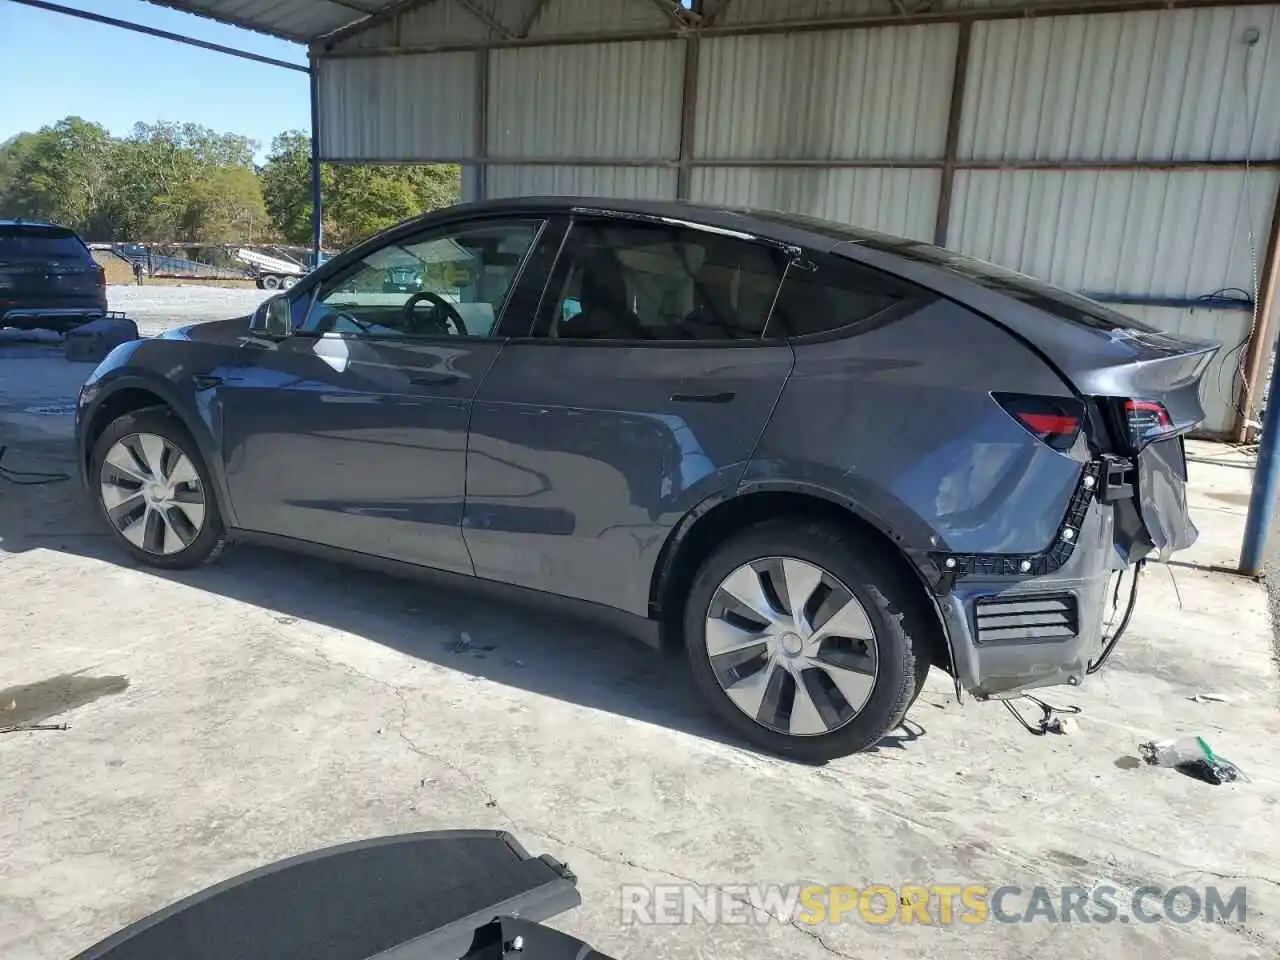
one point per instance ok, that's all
(308, 21)
(300, 20)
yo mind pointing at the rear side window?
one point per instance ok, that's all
(24, 243)
(1069, 306)
(637, 281)
(822, 293)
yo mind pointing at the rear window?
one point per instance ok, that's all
(21, 243)
(1068, 306)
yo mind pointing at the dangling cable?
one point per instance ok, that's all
(1124, 622)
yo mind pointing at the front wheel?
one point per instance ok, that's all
(154, 492)
(270, 282)
(795, 635)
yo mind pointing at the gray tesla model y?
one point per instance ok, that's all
(816, 459)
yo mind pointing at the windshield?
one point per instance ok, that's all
(24, 243)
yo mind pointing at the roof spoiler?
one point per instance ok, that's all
(470, 894)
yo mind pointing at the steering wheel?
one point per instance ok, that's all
(438, 303)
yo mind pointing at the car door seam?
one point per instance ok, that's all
(466, 451)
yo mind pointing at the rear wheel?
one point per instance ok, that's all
(153, 491)
(270, 282)
(287, 282)
(795, 636)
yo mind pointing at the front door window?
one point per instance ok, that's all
(446, 283)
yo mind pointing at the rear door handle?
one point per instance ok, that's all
(434, 380)
(724, 397)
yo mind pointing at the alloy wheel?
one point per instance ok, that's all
(152, 493)
(791, 646)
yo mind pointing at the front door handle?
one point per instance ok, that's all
(206, 381)
(434, 380)
(723, 397)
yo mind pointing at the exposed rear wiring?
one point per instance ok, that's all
(1046, 720)
(1049, 713)
(1110, 646)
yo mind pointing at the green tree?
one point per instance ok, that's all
(226, 206)
(186, 183)
(56, 173)
(286, 186)
(358, 199)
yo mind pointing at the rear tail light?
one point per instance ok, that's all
(1055, 421)
(102, 276)
(1147, 420)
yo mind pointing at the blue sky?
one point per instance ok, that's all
(55, 66)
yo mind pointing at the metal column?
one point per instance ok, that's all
(1266, 483)
(317, 229)
(959, 78)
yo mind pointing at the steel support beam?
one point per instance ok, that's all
(532, 18)
(317, 211)
(1263, 333)
(482, 123)
(1053, 8)
(688, 117)
(158, 33)
(959, 77)
(1069, 166)
(493, 23)
(1266, 484)
(360, 26)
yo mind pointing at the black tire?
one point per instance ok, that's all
(212, 537)
(885, 598)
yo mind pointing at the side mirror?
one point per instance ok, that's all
(273, 318)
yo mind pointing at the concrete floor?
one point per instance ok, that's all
(272, 704)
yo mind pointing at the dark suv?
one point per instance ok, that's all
(48, 278)
(820, 460)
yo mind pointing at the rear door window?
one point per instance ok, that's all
(637, 281)
(40, 243)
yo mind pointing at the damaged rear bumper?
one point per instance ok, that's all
(1015, 623)
(1014, 634)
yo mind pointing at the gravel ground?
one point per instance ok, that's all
(156, 309)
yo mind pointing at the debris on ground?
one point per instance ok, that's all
(1053, 719)
(1210, 698)
(463, 643)
(28, 727)
(1062, 725)
(1192, 756)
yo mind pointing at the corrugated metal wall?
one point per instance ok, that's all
(615, 101)
(1151, 87)
(901, 202)
(861, 95)
(399, 108)
(839, 124)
